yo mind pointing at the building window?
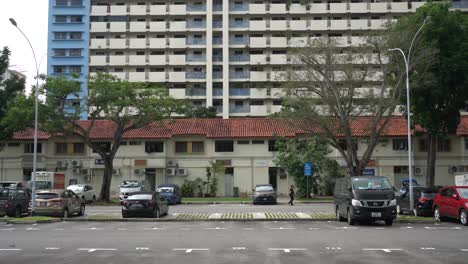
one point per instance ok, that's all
(258, 142)
(60, 35)
(76, 19)
(272, 145)
(61, 148)
(344, 146)
(224, 146)
(466, 143)
(181, 147)
(76, 2)
(154, 146)
(75, 53)
(443, 145)
(59, 69)
(243, 142)
(104, 146)
(78, 148)
(60, 52)
(29, 148)
(76, 35)
(423, 145)
(400, 144)
(198, 147)
(60, 19)
(134, 143)
(61, 2)
(75, 69)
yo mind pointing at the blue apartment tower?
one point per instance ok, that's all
(68, 44)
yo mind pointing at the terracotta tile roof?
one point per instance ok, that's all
(231, 128)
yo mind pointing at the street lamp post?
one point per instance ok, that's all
(33, 176)
(408, 111)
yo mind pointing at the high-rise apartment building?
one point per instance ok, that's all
(229, 54)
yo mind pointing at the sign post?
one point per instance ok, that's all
(308, 171)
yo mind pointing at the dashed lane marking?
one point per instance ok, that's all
(141, 248)
(96, 249)
(286, 250)
(189, 250)
(52, 248)
(428, 248)
(8, 229)
(346, 228)
(215, 228)
(59, 229)
(388, 250)
(239, 248)
(282, 228)
(333, 248)
(464, 249)
(314, 228)
(10, 249)
(32, 229)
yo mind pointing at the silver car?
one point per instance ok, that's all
(86, 192)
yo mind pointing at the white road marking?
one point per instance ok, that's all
(464, 249)
(346, 227)
(282, 228)
(59, 229)
(286, 250)
(189, 250)
(238, 248)
(247, 228)
(141, 248)
(428, 248)
(379, 228)
(96, 249)
(52, 248)
(215, 228)
(185, 229)
(8, 229)
(406, 227)
(34, 224)
(32, 229)
(10, 249)
(314, 228)
(388, 250)
(9, 224)
(91, 228)
(442, 228)
(333, 248)
(154, 228)
(122, 229)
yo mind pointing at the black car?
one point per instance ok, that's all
(144, 204)
(14, 202)
(364, 199)
(422, 197)
(264, 193)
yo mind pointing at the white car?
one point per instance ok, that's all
(85, 192)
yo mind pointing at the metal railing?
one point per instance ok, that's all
(196, 41)
(195, 75)
(239, 91)
(239, 57)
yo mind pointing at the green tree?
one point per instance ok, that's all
(293, 153)
(438, 88)
(201, 112)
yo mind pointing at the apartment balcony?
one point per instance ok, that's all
(117, 10)
(278, 25)
(257, 25)
(177, 93)
(239, 58)
(157, 59)
(258, 58)
(176, 59)
(98, 26)
(298, 24)
(258, 76)
(239, 75)
(97, 60)
(136, 76)
(137, 60)
(339, 24)
(217, 58)
(278, 42)
(157, 43)
(277, 8)
(378, 23)
(359, 8)
(401, 7)
(196, 41)
(98, 10)
(195, 92)
(239, 24)
(176, 76)
(196, 8)
(217, 75)
(218, 108)
(196, 24)
(177, 43)
(157, 10)
(258, 93)
(158, 26)
(195, 58)
(338, 8)
(257, 8)
(175, 26)
(258, 110)
(341, 41)
(217, 24)
(157, 77)
(277, 92)
(378, 7)
(239, 41)
(257, 42)
(239, 92)
(319, 25)
(278, 75)
(137, 10)
(358, 41)
(239, 109)
(177, 9)
(217, 7)
(239, 8)
(195, 75)
(137, 43)
(416, 5)
(138, 26)
(118, 75)
(118, 27)
(217, 92)
(280, 59)
(318, 8)
(359, 24)
(117, 60)
(298, 42)
(117, 43)
(274, 109)
(297, 9)
(217, 41)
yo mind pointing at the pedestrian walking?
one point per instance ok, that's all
(292, 194)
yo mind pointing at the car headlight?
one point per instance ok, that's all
(256, 194)
(355, 202)
(392, 203)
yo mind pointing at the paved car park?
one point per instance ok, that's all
(233, 242)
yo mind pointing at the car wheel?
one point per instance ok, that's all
(18, 212)
(464, 217)
(82, 210)
(351, 221)
(65, 213)
(339, 218)
(389, 222)
(156, 213)
(437, 216)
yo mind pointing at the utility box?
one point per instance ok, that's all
(461, 180)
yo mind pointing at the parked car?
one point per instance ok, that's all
(452, 202)
(422, 197)
(264, 193)
(364, 198)
(171, 192)
(149, 204)
(129, 187)
(63, 203)
(11, 184)
(86, 192)
(14, 202)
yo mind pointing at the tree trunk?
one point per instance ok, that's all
(431, 159)
(106, 180)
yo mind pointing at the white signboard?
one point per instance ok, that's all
(461, 180)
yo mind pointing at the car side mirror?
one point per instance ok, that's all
(455, 196)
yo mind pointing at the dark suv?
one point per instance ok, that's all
(14, 201)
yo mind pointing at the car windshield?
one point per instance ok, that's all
(463, 192)
(46, 196)
(130, 184)
(371, 184)
(264, 189)
(4, 194)
(165, 189)
(140, 197)
(7, 184)
(75, 188)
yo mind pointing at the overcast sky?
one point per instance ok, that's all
(31, 16)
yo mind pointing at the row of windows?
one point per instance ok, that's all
(68, 35)
(69, 2)
(402, 144)
(234, 21)
(68, 19)
(67, 52)
(61, 69)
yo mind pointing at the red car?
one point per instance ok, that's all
(452, 202)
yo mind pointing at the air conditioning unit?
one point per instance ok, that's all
(170, 171)
(419, 171)
(84, 171)
(76, 171)
(76, 163)
(115, 172)
(171, 163)
(61, 164)
(453, 169)
(182, 172)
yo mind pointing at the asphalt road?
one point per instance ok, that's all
(232, 242)
(222, 208)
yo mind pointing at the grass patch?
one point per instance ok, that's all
(215, 199)
(101, 217)
(415, 218)
(31, 219)
(113, 202)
